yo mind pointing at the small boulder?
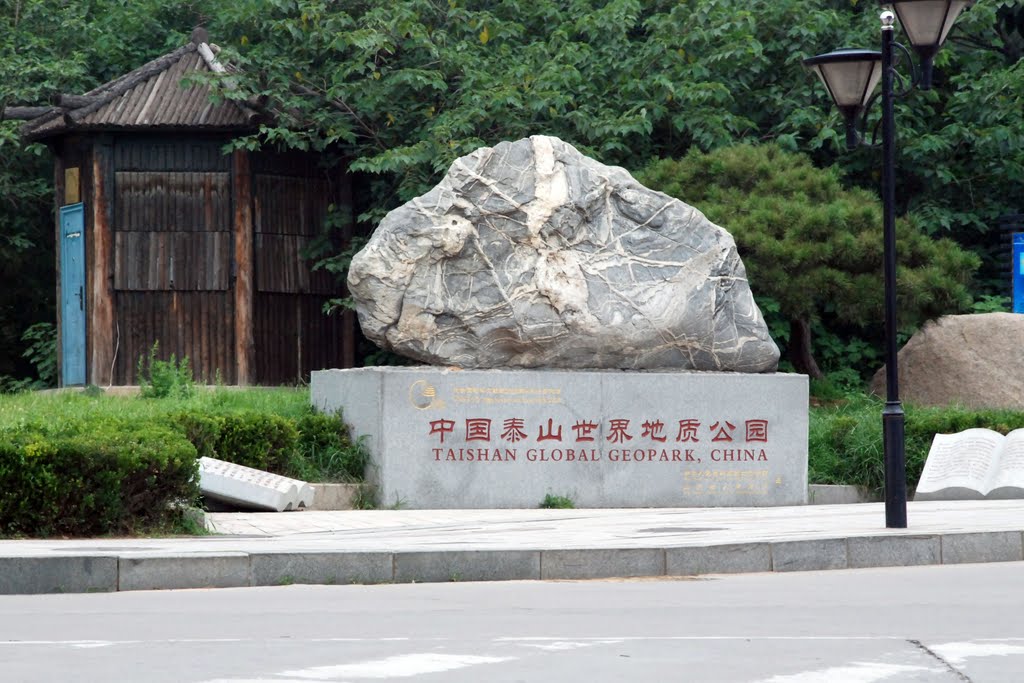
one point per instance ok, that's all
(530, 255)
(972, 360)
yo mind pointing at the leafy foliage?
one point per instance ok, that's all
(330, 453)
(41, 352)
(265, 442)
(811, 246)
(88, 464)
(403, 87)
(164, 378)
(411, 85)
(845, 441)
(553, 502)
(114, 477)
(312, 447)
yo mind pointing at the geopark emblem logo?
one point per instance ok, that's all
(423, 395)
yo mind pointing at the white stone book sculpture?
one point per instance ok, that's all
(251, 488)
(974, 464)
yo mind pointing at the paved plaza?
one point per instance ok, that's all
(378, 546)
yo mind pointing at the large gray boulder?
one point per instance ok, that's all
(971, 360)
(529, 254)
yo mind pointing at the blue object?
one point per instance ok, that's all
(72, 294)
(1018, 272)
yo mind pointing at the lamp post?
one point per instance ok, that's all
(850, 75)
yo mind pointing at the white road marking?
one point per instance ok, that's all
(399, 666)
(87, 646)
(565, 645)
(619, 639)
(107, 643)
(959, 653)
(72, 643)
(504, 639)
(857, 672)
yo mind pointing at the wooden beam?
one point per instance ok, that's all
(101, 319)
(74, 101)
(23, 113)
(252, 116)
(245, 350)
(29, 129)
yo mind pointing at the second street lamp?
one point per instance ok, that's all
(850, 75)
(927, 23)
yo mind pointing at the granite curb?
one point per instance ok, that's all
(107, 571)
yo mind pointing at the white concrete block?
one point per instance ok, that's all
(252, 488)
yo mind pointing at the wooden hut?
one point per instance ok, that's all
(164, 237)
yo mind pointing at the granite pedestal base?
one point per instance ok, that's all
(451, 438)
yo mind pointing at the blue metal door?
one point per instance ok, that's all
(72, 294)
(1018, 272)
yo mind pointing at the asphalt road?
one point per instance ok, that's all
(939, 623)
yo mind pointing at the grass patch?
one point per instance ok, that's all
(554, 502)
(845, 439)
(77, 407)
(87, 463)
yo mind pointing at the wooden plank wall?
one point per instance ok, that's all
(154, 260)
(199, 325)
(173, 255)
(181, 201)
(292, 334)
(294, 337)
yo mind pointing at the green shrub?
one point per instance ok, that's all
(554, 502)
(165, 378)
(114, 479)
(325, 444)
(202, 430)
(813, 247)
(312, 447)
(41, 351)
(266, 442)
(845, 442)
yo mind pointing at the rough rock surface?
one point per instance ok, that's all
(529, 254)
(971, 360)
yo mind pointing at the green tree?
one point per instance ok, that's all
(960, 146)
(400, 88)
(405, 86)
(409, 85)
(30, 69)
(810, 245)
(49, 47)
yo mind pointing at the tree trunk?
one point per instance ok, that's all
(800, 351)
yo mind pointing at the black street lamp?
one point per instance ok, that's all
(850, 76)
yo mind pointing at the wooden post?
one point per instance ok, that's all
(241, 175)
(58, 200)
(101, 321)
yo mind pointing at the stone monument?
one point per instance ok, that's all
(974, 360)
(587, 337)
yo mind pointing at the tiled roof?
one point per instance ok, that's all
(151, 97)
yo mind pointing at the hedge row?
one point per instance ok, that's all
(116, 476)
(312, 447)
(846, 441)
(114, 479)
